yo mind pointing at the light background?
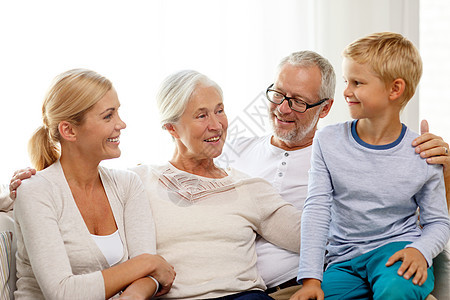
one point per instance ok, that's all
(236, 43)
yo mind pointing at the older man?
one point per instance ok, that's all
(302, 93)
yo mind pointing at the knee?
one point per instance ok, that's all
(399, 288)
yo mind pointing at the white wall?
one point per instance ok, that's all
(338, 23)
(137, 43)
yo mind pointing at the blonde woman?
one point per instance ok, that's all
(84, 231)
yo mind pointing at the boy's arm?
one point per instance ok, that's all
(433, 215)
(316, 216)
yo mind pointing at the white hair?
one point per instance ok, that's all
(176, 91)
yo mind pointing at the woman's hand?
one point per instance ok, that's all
(17, 178)
(163, 272)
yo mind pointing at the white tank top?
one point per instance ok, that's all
(111, 246)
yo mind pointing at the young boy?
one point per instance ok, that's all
(366, 183)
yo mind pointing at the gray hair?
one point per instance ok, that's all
(176, 91)
(309, 59)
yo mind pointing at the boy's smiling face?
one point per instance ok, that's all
(366, 94)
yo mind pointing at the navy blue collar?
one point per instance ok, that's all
(377, 147)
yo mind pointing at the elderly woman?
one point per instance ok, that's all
(207, 218)
(83, 231)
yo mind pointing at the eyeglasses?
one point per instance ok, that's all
(296, 104)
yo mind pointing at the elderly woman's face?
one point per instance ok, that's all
(202, 128)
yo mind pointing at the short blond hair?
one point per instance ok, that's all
(391, 56)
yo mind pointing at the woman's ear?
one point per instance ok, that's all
(397, 88)
(172, 130)
(67, 131)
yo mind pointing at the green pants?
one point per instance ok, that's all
(367, 277)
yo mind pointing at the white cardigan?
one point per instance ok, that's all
(57, 258)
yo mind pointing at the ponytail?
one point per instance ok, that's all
(42, 149)
(71, 95)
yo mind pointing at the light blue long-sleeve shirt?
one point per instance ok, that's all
(364, 196)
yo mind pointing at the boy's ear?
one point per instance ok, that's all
(397, 88)
(172, 130)
(67, 131)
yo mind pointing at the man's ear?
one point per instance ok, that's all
(397, 88)
(67, 131)
(172, 130)
(326, 108)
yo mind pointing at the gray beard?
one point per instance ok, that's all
(297, 134)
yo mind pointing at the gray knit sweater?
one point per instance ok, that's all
(364, 196)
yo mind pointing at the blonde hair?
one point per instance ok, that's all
(391, 56)
(71, 95)
(176, 91)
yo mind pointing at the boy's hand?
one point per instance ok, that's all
(310, 290)
(413, 263)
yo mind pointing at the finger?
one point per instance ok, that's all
(424, 277)
(428, 141)
(410, 271)
(423, 138)
(395, 257)
(424, 128)
(25, 175)
(14, 185)
(418, 278)
(13, 195)
(436, 151)
(404, 266)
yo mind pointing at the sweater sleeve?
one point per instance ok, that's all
(138, 219)
(279, 221)
(36, 218)
(6, 203)
(316, 217)
(433, 215)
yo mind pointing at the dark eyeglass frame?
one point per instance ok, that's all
(289, 100)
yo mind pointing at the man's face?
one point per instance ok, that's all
(291, 127)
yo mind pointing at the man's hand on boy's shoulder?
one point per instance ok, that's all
(432, 147)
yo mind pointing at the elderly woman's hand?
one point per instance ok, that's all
(17, 178)
(164, 273)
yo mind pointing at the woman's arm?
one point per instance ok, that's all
(6, 203)
(144, 288)
(131, 271)
(140, 231)
(48, 257)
